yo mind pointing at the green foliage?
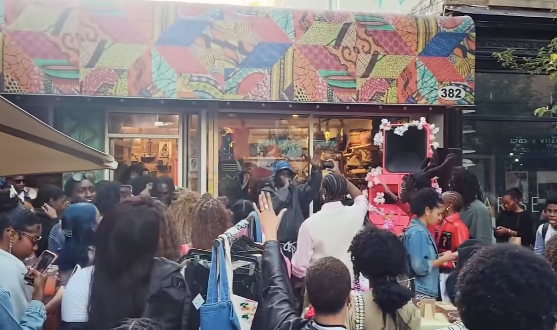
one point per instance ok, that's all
(544, 62)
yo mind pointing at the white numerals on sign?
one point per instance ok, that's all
(451, 93)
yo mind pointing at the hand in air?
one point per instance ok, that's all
(316, 159)
(269, 220)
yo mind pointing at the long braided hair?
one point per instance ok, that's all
(210, 219)
(334, 187)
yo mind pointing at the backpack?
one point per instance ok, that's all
(169, 296)
(545, 228)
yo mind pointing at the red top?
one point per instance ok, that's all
(452, 232)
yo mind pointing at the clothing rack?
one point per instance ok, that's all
(232, 233)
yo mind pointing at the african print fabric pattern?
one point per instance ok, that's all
(160, 49)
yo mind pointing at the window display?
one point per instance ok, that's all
(249, 145)
(160, 156)
(348, 142)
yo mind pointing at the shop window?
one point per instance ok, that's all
(506, 154)
(160, 156)
(249, 145)
(349, 143)
(134, 123)
(148, 138)
(511, 94)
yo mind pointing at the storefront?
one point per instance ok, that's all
(188, 87)
(504, 143)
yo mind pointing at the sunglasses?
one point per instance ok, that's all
(34, 240)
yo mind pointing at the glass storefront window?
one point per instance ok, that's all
(249, 145)
(511, 94)
(349, 142)
(160, 156)
(143, 123)
(506, 154)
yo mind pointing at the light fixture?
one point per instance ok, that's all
(511, 154)
(163, 123)
(295, 116)
(516, 160)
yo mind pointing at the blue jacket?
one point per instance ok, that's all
(33, 319)
(422, 251)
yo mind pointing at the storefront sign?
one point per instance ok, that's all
(208, 51)
(545, 146)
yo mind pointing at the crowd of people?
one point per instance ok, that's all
(120, 250)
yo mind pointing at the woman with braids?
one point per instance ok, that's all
(451, 231)
(328, 233)
(474, 214)
(210, 219)
(515, 221)
(380, 257)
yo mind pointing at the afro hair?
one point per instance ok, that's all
(505, 287)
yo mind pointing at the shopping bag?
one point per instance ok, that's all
(515, 240)
(217, 312)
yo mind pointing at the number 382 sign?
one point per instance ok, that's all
(451, 93)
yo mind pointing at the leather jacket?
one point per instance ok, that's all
(277, 298)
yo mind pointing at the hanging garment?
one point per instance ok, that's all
(217, 312)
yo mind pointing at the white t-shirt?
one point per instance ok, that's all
(75, 302)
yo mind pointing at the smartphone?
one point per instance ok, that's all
(45, 260)
(126, 190)
(75, 269)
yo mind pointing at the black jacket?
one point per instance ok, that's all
(277, 300)
(294, 198)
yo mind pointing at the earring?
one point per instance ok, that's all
(10, 247)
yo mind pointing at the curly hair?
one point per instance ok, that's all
(169, 243)
(210, 219)
(506, 286)
(181, 210)
(424, 198)
(550, 252)
(139, 324)
(328, 285)
(380, 256)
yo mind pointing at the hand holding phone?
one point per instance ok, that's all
(39, 282)
(45, 260)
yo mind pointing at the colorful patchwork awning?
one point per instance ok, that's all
(202, 51)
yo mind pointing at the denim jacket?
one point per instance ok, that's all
(34, 317)
(422, 251)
